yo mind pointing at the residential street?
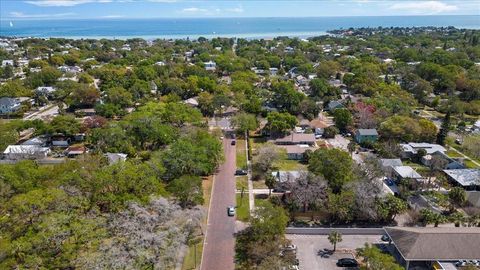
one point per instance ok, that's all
(218, 251)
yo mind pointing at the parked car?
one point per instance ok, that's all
(231, 211)
(234, 142)
(389, 182)
(385, 238)
(347, 262)
(241, 172)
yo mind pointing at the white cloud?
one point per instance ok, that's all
(63, 3)
(195, 10)
(235, 10)
(424, 7)
(21, 15)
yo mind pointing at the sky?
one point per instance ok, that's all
(98, 9)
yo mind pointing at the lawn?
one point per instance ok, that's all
(259, 184)
(190, 261)
(241, 182)
(241, 154)
(289, 165)
(242, 210)
(262, 202)
(451, 153)
(470, 164)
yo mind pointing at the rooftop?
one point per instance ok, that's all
(429, 147)
(436, 243)
(367, 132)
(465, 177)
(406, 172)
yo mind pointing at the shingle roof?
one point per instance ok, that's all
(465, 177)
(368, 132)
(436, 243)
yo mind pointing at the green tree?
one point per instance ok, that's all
(444, 129)
(333, 164)
(268, 221)
(188, 190)
(280, 123)
(334, 238)
(390, 207)
(244, 122)
(343, 119)
(374, 259)
(457, 196)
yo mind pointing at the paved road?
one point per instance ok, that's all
(218, 251)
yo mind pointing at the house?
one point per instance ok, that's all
(115, 157)
(387, 165)
(85, 112)
(7, 63)
(405, 172)
(19, 152)
(366, 135)
(424, 246)
(297, 151)
(469, 179)
(273, 71)
(409, 150)
(74, 151)
(286, 176)
(59, 141)
(192, 102)
(334, 104)
(296, 138)
(37, 141)
(210, 65)
(9, 105)
(45, 90)
(70, 69)
(449, 163)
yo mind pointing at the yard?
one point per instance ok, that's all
(242, 211)
(241, 154)
(289, 165)
(241, 182)
(194, 254)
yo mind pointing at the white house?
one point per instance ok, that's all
(411, 149)
(45, 90)
(7, 63)
(210, 65)
(18, 152)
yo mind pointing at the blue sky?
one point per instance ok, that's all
(78, 9)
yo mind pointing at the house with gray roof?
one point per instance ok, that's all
(387, 165)
(466, 178)
(9, 105)
(424, 246)
(334, 104)
(366, 135)
(409, 150)
(405, 172)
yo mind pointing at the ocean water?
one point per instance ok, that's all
(218, 27)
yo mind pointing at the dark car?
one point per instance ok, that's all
(385, 238)
(347, 262)
(390, 182)
(240, 172)
(234, 142)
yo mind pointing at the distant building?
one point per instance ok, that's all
(449, 163)
(210, 65)
(296, 138)
(411, 149)
(335, 104)
(9, 105)
(423, 247)
(387, 165)
(45, 90)
(286, 176)
(115, 157)
(466, 178)
(20, 152)
(366, 135)
(405, 172)
(7, 63)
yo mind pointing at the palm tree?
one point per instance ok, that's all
(334, 237)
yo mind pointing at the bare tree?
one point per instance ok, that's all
(263, 161)
(308, 190)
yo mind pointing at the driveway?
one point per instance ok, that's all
(309, 245)
(218, 250)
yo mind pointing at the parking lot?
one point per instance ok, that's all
(308, 247)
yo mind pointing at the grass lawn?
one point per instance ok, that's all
(242, 210)
(241, 154)
(260, 184)
(189, 260)
(289, 165)
(451, 153)
(470, 164)
(262, 202)
(241, 182)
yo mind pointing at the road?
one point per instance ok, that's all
(43, 113)
(218, 250)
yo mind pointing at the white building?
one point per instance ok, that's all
(210, 65)
(19, 152)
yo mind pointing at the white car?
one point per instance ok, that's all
(231, 211)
